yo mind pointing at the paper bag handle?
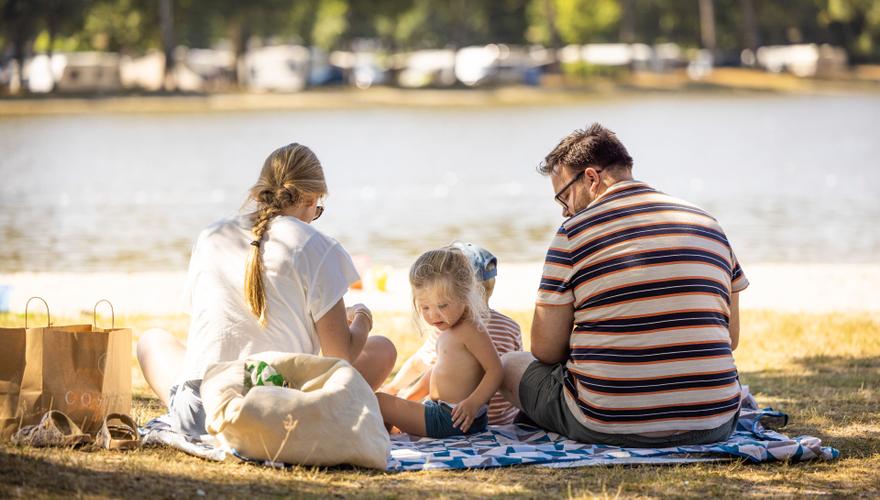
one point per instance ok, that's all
(48, 317)
(112, 314)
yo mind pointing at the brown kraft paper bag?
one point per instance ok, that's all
(81, 370)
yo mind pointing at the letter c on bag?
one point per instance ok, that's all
(102, 363)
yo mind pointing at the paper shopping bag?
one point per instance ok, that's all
(81, 370)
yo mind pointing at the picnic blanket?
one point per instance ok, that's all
(754, 441)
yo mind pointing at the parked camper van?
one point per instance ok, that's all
(74, 72)
(278, 68)
(491, 64)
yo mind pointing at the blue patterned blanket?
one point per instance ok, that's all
(753, 441)
(500, 446)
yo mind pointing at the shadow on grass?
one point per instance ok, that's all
(831, 397)
(24, 475)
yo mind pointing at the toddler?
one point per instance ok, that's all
(413, 379)
(467, 372)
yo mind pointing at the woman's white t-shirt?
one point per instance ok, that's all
(306, 274)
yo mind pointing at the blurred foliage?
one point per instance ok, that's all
(585, 70)
(133, 26)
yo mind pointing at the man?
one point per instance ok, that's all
(637, 311)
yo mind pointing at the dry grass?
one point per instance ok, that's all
(824, 370)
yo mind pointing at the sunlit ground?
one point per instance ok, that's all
(823, 370)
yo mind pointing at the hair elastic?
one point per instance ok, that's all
(255, 243)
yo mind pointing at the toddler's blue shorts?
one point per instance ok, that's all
(438, 420)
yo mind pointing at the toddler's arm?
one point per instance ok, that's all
(480, 345)
(419, 390)
(411, 370)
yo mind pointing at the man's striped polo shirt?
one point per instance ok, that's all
(650, 279)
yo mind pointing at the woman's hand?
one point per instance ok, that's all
(464, 413)
(356, 310)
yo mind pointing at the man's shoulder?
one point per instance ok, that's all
(633, 199)
(620, 194)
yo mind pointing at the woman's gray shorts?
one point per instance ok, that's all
(185, 408)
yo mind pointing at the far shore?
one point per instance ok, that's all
(781, 287)
(556, 90)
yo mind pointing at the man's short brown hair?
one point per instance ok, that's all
(596, 146)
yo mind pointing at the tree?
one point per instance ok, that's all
(166, 26)
(707, 25)
(20, 21)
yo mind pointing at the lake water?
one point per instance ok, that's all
(791, 179)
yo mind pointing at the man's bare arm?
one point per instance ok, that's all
(734, 321)
(551, 331)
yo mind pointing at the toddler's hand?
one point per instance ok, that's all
(464, 413)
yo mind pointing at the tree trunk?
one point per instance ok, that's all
(628, 21)
(550, 12)
(555, 41)
(750, 27)
(166, 25)
(18, 83)
(52, 30)
(21, 16)
(241, 35)
(707, 25)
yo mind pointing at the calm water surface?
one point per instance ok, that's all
(791, 179)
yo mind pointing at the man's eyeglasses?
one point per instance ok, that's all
(319, 210)
(559, 195)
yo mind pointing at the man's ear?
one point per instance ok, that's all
(590, 175)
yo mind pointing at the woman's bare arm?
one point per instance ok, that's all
(338, 337)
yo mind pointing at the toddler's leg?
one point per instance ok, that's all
(408, 416)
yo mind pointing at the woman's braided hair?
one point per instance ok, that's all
(290, 174)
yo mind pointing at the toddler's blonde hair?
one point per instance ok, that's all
(450, 270)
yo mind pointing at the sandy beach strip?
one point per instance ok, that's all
(809, 288)
(555, 90)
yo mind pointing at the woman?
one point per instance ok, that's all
(265, 281)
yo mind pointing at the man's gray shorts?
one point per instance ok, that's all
(543, 401)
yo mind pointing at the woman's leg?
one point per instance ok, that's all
(408, 416)
(160, 355)
(376, 360)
